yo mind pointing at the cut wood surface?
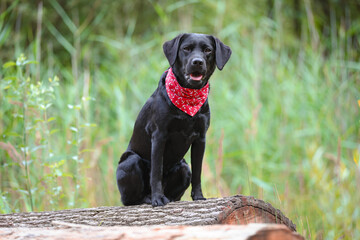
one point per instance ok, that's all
(74, 231)
(229, 210)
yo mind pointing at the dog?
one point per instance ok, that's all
(176, 117)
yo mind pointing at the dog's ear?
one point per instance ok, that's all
(171, 49)
(222, 53)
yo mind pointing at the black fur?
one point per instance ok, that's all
(153, 169)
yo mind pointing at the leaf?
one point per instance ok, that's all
(4, 204)
(38, 120)
(88, 99)
(54, 131)
(61, 162)
(23, 191)
(12, 134)
(160, 12)
(74, 129)
(15, 115)
(10, 78)
(37, 148)
(24, 149)
(356, 157)
(87, 150)
(260, 183)
(51, 119)
(58, 173)
(20, 60)
(60, 38)
(30, 62)
(9, 64)
(8, 10)
(67, 175)
(70, 24)
(74, 142)
(88, 125)
(42, 106)
(179, 4)
(4, 34)
(24, 163)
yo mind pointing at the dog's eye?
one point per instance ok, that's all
(187, 49)
(207, 50)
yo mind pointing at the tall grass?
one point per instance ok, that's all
(284, 128)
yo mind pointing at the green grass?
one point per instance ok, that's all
(284, 127)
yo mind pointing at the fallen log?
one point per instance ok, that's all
(229, 211)
(84, 232)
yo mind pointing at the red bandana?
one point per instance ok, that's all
(186, 99)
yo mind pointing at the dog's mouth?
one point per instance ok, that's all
(196, 76)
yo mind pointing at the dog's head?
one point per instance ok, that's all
(193, 58)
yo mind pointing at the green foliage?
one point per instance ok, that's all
(285, 117)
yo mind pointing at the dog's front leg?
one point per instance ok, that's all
(197, 154)
(157, 151)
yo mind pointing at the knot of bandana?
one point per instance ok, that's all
(186, 99)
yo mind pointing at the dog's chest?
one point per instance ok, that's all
(186, 130)
(181, 133)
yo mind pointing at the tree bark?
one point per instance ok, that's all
(229, 210)
(253, 231)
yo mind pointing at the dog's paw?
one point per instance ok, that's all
(159, 201)
(147, 199)
(195, 198)
(197, 195)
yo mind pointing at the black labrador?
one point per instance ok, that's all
(153, 169)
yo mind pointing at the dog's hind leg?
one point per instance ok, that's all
(177, 180)
(133, 179)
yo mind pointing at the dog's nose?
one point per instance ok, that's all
(197, 62)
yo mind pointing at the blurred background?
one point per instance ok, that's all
(285, 114)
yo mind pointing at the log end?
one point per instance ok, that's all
(243, 210)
